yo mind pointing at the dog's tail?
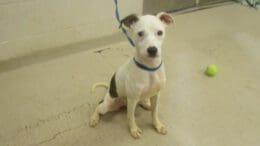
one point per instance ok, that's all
(99, 84)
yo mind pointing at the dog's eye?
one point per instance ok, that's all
(140, 33)
(159, 33)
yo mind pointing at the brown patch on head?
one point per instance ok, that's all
(165, 18)
(129, 20)
(112, 89)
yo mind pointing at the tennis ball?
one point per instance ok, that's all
(212, 70)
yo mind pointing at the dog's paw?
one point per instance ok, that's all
(160, 128)
(136, 132)
(94, 119)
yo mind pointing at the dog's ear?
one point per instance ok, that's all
(165, 18)
(129, 20)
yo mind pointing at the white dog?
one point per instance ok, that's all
(140, 79)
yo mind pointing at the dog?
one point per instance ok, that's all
(140, 79)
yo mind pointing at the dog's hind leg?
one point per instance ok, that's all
(107, 105)
(145, 104)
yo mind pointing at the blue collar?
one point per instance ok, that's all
(144, 67)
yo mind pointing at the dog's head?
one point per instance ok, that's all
(148, 32)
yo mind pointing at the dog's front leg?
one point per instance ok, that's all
(156, 122)
(134, 129)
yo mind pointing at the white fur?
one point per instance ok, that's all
(135, 85)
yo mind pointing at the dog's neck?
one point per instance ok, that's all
(149, 62)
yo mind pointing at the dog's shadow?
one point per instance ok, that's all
(143, 117)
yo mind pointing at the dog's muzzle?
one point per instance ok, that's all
(152, 51)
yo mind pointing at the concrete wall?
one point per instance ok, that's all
(202, 2)
(27, 26)
(30, 26)
(154, 6)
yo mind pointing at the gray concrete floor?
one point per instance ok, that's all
(49, 102)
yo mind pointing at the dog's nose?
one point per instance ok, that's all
(152, 51)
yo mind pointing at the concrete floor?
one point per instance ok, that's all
(49, 102)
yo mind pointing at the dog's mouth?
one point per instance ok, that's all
(153, 55)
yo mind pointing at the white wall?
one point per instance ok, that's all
(27, 26)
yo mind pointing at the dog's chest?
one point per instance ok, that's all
(152, 84)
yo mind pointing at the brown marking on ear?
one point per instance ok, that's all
(129, 20)
(165, 18)
(112, 89)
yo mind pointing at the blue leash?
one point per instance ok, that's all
(122, 28)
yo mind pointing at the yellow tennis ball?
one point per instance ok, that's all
(212, 70)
